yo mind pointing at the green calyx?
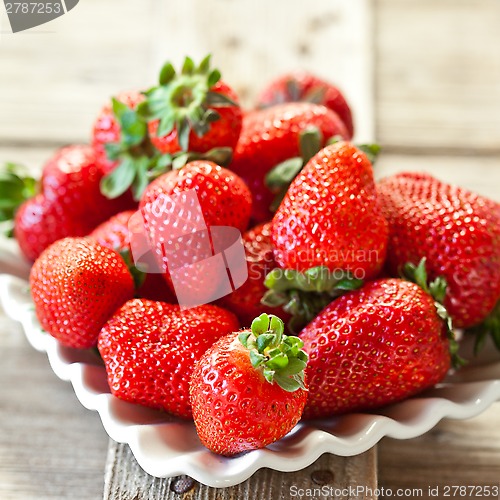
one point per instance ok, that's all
(437, 290)
(184, 100)
(137, 275)
(280, 357)
(138, 161)
(489, 327)
(279, 178)
(371, 151)
(16, 186)
(134, 154)
(304, 295)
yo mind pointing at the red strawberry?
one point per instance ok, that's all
(77, 285)
(150, 348)
(247, 390)
(372, 347)
(193, 110)
(107, 129)
(223, 200)
(456, 230)
(115, 234)
(245, 302)
(70, 202)
(331, 217)
(270, 137)
(307, 87)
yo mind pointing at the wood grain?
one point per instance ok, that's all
(50, 446)
(56, 77)
(125, 480)
(465, 453)
(437, 74)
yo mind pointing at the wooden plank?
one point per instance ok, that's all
(50, 446)
(460, 453)
(125, 480)
(437, 74)
(56, 77)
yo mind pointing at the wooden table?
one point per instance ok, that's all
(425, 80)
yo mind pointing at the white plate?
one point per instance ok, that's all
(166, 447)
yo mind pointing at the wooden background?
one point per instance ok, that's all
(424, 80)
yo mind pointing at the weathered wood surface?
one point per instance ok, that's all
(68, 69)
(50, 446)
(125, 480)
(437, 74)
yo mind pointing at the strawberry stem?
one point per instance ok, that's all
(304, 295)
(184, 100)
(16, 186)
(437, 290)
(279, 357)
(490, 326)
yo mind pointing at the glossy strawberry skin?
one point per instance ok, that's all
(77, 285)
(373, 347)
(115, 234)
(245, 301)
(224, 199)
(223, 133)
(149, 349)
(271, 136)
(106, 129)
(341, 225)
(309, 88)
(234, 408)
(70, 202)
(456, 230)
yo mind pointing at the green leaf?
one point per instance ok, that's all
(219, 100)
(141, 179)
(310, 141)
(183, 131)
(288, 384)
(188, 67)
(278, 362)
(260, 325)
(119, 108)
(264, 340)
(256, 358)
(119, 180)
(137, 275)
(167, 74)
(243, 338)
(113, 150)
(371, 151)
(283, 173)
(204, 66)
(213, 78)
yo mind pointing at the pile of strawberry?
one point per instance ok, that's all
(367, 278)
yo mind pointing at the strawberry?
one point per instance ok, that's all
(296, 87)
(456, 230)
(149, 349)
(70, 202)
(210, 196)
(245, 302)
(331, 217)
(193, 110)
(373, 347)
(248, 389)
(77, 285)
(271, 136)
(115, 234)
